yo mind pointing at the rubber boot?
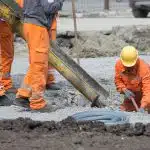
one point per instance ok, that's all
(53, 86)
(11, 90)
(2, 91)
(5, 101)
(22, 102)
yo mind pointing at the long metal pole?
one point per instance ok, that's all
(106, 4)
(135, 105)
(75, 30)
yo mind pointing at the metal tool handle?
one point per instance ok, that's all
(75, 30)
(134, 103)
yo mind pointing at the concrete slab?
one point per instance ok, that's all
(98, 24)
(97, 67)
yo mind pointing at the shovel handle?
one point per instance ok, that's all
(134, 103)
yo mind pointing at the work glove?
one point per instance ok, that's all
(128, 94)
(141, 110)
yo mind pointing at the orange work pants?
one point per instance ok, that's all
(34, 82)
(52, 35)
(6, 56)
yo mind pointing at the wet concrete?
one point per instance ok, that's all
(92, 44)
(44, 133)
(68, 101)
(28, 134)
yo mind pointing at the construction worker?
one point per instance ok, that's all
(7, 53)
(50, 84)
(132, 78)
(6, 57)
(36, 25)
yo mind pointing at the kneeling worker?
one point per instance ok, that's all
(132, 78)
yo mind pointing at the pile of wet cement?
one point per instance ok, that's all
(99, 43)
(70, 135)
(106, 43)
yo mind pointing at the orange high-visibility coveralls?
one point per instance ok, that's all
(34, 82)
(6, 56)
(52, 35)
(138, 81)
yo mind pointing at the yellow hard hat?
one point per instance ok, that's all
(129, 56)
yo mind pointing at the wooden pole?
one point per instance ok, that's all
(106, 4)
(75, 30)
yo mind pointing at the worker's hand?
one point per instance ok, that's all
(144, 111)
(128, 94)
(141, 110)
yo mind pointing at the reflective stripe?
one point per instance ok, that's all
(1, 87)
(5, 75)
(51, 71)
(26, 87)
(135, 78)
(50, 1)
(2, 20)
(37, 95)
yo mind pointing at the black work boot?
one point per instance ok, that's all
(5, 101)
(11, 90)
(22, 102)
(52, 86)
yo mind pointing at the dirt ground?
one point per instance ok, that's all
(26, 134)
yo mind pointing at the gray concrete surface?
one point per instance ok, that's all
(98, 68)
(98, 24)
(92, 44)
(67, 100)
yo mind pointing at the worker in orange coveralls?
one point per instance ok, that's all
(6, 57)
(50, 84)
(7, 53)
(132, 78)
(36, 25)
